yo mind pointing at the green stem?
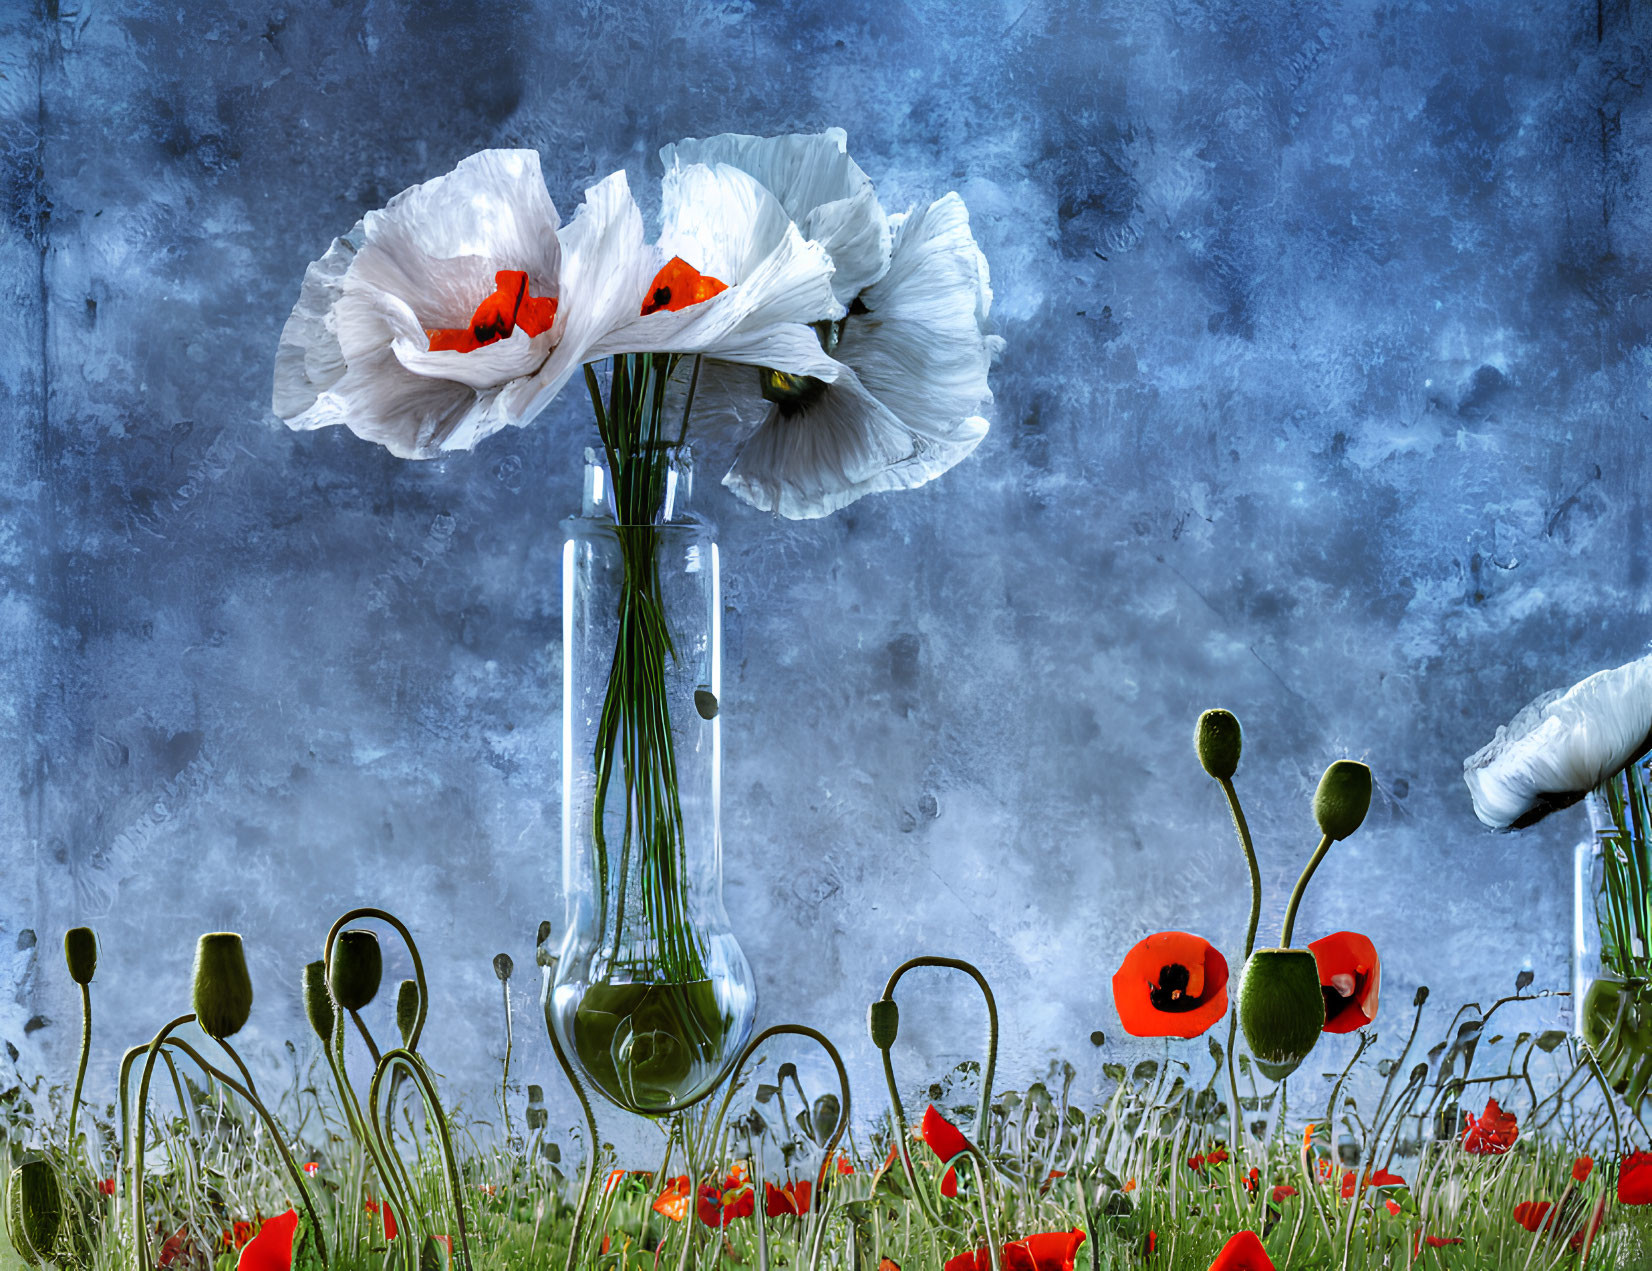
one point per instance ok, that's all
(591, 1146)
(1302, 886)
(140, 1233)
(80, 1071)
(406, 1061)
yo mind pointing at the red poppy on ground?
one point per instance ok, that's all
(1172, 984)
(497, 317)
(106, 1186)
(1532, 1214)
(1492, 1133)
(1350, 975)
(1582, 1168)
(1129, 1184)
(1282, 1191)
(1324, 1169)
(946, 1141)
(673, 1200)
(719, 1206)
(1635, 1179)
(1047, 1251)
(373, 1207)
(1243, 1252)
(793, 1198)
(272, 1248)
(1253, 1181)
(679, 285)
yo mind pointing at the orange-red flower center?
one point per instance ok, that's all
(678, 286)
(497, 317)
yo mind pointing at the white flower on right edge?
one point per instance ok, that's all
(1562, 746)
(912, 352)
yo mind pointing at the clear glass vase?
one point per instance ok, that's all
(651, 996)
(1612, 932)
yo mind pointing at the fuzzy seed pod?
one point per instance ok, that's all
(222, 991)
(80, 951)
(883, 1020)
(1281, 1007)
(34, 1210)
(318, 1002)
(407, 1009)
(358, 966)
(1343, 799)
(824, 1118)
(1218, 740)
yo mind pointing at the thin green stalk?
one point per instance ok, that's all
(80, 1070)
(1301, 887)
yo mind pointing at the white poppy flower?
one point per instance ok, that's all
(914, 350)
(1562, 746)
(760, 282)
(819, 187)
(389, 335)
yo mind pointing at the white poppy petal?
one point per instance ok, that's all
(308, 360)
(720, 220)
(924, 347)
(516, 356)
(811, 461)
(381, 401)
(819, 187)
(1562, 746)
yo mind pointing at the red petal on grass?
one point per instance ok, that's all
(1532, 1214)
(1047, 1251)
(1243, 1252)
(272, 1248)
(1582, 1168)
(1350, 976)
(1172, 984)
(1282, 1191)
(679, 285)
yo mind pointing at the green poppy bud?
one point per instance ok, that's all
(318, 1002)
(503, 966)
(407, 1009)
(358, 966)
(1281, 1008)
(222, 991)
(542, 954)
(883, 1020)
(538, 1117)
(80, 951)
(34, 1210)
(434, 1255)
(1218, 741)
(824, 1117)
(1343, 799)
(536, 1094)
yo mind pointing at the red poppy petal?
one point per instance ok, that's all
(679, 285)
(1243, 1252)
(945, 1139)
(1635, 1179)
(272, 1248)
(1351, 956)
(537, 314)
(1136, 981)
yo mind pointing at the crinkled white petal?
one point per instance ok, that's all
(1562, 746)
(607, 265)
(924, 347)
(380, 400)
(308, 360)
(720, 220)
(819, 187)
(811, 461)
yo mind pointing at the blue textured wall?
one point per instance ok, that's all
(1325, 399)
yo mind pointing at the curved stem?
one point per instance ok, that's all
(407, 1061)
(1302, 886)
(590, 1123)
(969, 969)
(139, 1232)
(361, 1027)
(1243, 831)
(505, 1079)
(85, 1052)
(412, 1042)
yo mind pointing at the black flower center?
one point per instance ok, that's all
(1170, 993)
(1336, 1003)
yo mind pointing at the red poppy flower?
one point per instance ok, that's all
(719, 1206)
(240, 1232)
(497, 317)
(1592, 1228)
(1150, 1245)
(1253, 1181)
(1047, 1251)
(106, 1187)
(673, 1200)
(1433, 1242)
(1196, 1162)
(1380, 1178)
(1350, 975)
(1492, 1133)
(1050, 1182)
(1582, 1168)
(946, 1141)
(1172, 984)
(1532, 1214)
(843, 1166)
(1635, 1179)
(793, 1198)
(1393, 1207)
(679, 285)
(1243, 1252)
(272, 1248)
(1216, 1156)
(1282, 1191)
(888, 1264)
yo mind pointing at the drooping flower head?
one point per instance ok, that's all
(1172, 984)
(911, 351)
(1350, 977)
(1562, 746)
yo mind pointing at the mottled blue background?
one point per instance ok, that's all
(1324, 399)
